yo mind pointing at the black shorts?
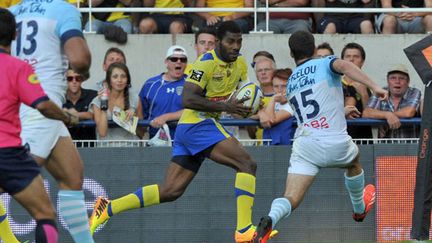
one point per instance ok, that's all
(164, 21)
(192, 162)
(17, 169)
(343, 25)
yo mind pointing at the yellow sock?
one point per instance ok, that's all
(6, 233)
(143, 197)
(245, 193)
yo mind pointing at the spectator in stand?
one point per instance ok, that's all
(277, 117)
(114, 25)
(242, 19)
(332, 23)
(8, 3)
(403, 102)
(166, 22)
(78, 100)
(160, 98)
(404, 22)
(324, 49)
(264, 70)
(356, 94)
(287, 22)
(118, 83)
(205, 40)
(261, 55)
(112, 55)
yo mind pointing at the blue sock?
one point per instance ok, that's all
(280, 208)
(72, 209)
(355, 186)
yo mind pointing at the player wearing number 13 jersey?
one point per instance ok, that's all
(49, 37)
(314, 91)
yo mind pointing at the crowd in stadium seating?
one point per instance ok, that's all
(160, 94)
(117, 24)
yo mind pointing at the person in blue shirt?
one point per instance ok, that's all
(160, 98)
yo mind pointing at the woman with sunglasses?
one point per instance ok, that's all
(78, 99)
(118, 84)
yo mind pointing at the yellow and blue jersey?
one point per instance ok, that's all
(217, 78)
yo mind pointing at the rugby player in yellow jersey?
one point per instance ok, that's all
(214, 76)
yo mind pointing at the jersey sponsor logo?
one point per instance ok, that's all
(33, 79)
(302, 82)
(179, 90)
(170, 90)
(218, 77)
(197, 75)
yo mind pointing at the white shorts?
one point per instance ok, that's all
(39, 132)
(310, 154)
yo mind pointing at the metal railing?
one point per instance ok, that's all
(255, 10)
(251, 122)
(250, 142)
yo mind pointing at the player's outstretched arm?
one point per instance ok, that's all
(78, 54)
(356, 74)
(50, 110)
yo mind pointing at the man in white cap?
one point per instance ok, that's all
(161, 96)
(403, 102)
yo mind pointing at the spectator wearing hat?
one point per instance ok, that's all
(160, 98)
(403, 102)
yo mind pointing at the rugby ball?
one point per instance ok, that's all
(254, 93)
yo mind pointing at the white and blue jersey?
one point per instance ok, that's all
(43, 27)
(315, 93)
(159, 97)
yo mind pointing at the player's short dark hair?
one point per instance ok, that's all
(326, 46)
(116, 50)
(354, 45)
(302, 45)
(205, 30)
(7, 27)
(225, 27)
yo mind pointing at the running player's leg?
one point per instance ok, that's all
(177, 178)
(296, 187)
(66, 166)
(362, 198)
(175, 183)
(6, 234)
(354, 183)
(229, 152)
(36, 201)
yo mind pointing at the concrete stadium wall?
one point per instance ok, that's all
(146, 53)
(207, 213)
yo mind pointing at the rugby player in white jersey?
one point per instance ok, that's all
(49, 37)
(315, 93)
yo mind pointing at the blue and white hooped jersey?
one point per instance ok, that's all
(43, 27)
(315, 93)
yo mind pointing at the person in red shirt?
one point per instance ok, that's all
(20, 175)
